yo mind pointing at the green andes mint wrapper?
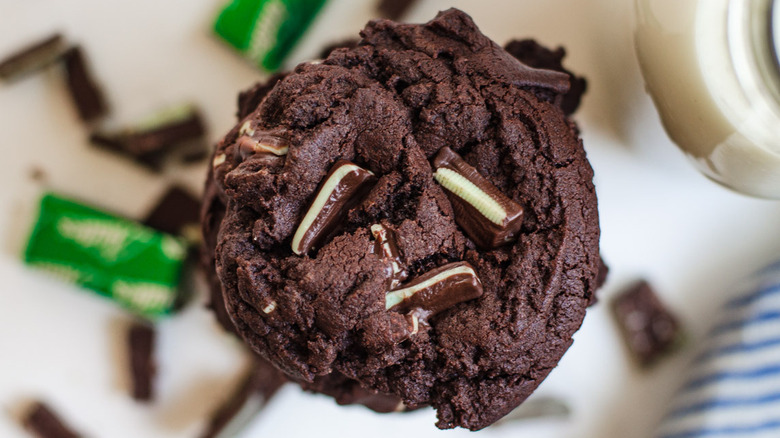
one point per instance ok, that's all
(132, 264)
(265, 31)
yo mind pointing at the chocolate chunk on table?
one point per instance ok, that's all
(141, 339)
(535, 55)
(86, 94)
(649, 329)
(176, 213)
(153, 139)
(32, 58)
(41, 420)
(394, 9)
(252, 394)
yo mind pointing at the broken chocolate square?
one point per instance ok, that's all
(648, 327)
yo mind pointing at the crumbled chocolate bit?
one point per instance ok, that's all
(32, 58)
(142, 365)
(37, 174)
(41, 420)
(86, 94)
(488, 216)
(648, 327)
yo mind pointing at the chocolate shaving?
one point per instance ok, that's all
(86, 94)
(43, 422)
(32, 58)
(141, 338)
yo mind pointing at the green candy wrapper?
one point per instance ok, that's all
(265, 31)
(134, 265)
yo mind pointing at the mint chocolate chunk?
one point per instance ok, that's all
(344, 182)
(488, 216)
(435, 291)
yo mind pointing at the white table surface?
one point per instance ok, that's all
(660, 219)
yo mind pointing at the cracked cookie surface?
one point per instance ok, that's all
(389, 106)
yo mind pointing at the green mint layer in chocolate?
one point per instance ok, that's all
(134, 265)
(265, 31)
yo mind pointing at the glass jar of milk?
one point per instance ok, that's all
(713, 70)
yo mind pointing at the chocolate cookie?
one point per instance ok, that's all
(415, 213)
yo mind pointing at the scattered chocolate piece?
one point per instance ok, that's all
(387, 248)
(32, 58)
(394, 9)
(345, 182)
(150, 141)
(142, 367)
(435, 291)
(86, 94)
(254, 392)
(44, 423)
(648, 327)
(488, 216)
(178, 212)
(535, 408)
(344, 44)
(533, 54)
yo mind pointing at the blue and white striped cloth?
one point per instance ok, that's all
(733, 389)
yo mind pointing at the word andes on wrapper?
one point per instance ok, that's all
(488, 216)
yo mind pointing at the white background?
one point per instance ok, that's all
(660, 219)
